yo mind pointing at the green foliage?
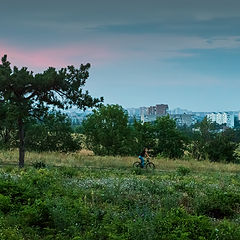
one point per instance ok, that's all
(138, 171)
(232, 135)
(38, 165)
(201, 138)
(69, 172)
(169, 140)
(5, 203)
(217, 147)
(30, 96)
(107, 131)
(143, 134)
(227, 231)
(9, 232)
(8, 133)
(88, 204)
(177, 224)
(220, 149)
(52, 133)
(219, 204)
(183, 170)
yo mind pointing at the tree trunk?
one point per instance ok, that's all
(6, 136)
(21, 142)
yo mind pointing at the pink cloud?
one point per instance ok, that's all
(58, 57)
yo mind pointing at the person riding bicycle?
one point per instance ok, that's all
(142, 155)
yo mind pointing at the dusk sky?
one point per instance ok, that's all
(184, 53)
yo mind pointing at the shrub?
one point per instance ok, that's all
(69, 172)
(9, 232)
(38, 165)
(5, 203)
(36, 214)
(177, 224)
(226, 230)
(182, 171)
(218, 204)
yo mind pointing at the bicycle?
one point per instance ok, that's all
(147, 164)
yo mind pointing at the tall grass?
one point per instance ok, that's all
(86, 158)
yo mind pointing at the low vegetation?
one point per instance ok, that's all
(45, 202)
(180, 200)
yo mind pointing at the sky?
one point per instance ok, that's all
(184, 53)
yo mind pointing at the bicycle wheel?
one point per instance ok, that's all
(137, 165)
(150, 166)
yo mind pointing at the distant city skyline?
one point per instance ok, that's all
(184, 110)
(183, 117)
(181, 52)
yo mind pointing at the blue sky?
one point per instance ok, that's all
(184, 53)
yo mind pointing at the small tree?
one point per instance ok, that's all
(31, 95)
(107, 131)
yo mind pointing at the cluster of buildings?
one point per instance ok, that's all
(150, 114)
(183, 117)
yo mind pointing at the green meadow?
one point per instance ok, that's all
(82, 196)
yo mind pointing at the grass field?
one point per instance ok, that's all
(86, 158)
(182, 199)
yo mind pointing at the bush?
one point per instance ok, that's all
(38, 165)
(218, 204)
(177, 224)
(5, 203)
(9, 232)
(36, 214)
(182, 171)
(226, 230)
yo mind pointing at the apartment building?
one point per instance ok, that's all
(222, 118)
(158, 110)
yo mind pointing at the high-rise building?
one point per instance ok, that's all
(222, 118)
(149, 114)
(161, 109)
(151, 110)
(158, 110)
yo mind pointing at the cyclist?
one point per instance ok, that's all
(142, 155)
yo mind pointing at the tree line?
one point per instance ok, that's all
(108, 132)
